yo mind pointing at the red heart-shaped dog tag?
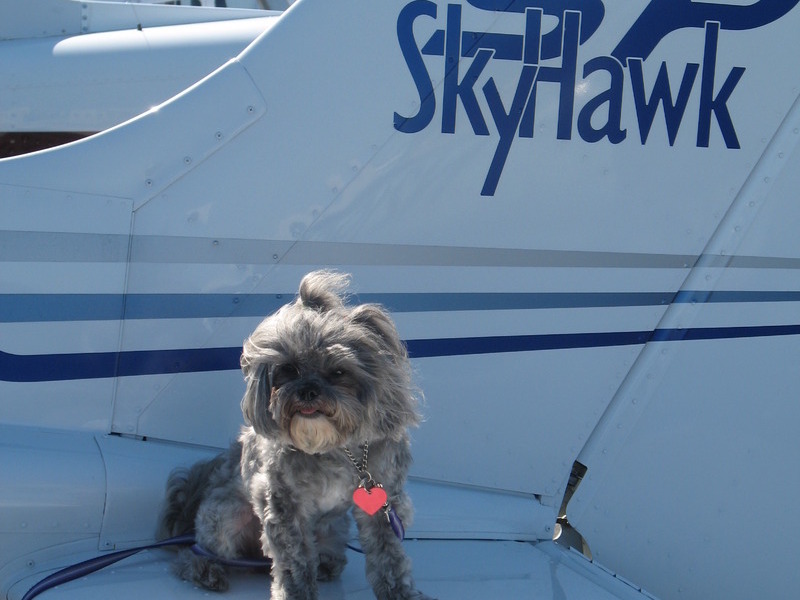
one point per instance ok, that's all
(370, 501)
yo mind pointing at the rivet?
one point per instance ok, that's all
(187, 160)
(148, 182)
(251, 109)
(218, 135)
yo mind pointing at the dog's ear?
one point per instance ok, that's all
(255, 402)
(397, 398)
(378, 321)
(323, 290)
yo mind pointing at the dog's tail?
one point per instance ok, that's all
(186, 489)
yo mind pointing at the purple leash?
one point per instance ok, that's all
(91, 565)
(95, 564)
(396, 522)
(237, 563)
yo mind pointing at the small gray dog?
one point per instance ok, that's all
(328, 403)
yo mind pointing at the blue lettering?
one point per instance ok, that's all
(507, 123)
(592, 12)
(455, 89)
(662, 17)
(661, 94)
(600, 117)
(533, 36)
(416, 66)
(716, 105)
(612, 97)
(564, 76)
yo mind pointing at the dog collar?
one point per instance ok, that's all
(369, 495)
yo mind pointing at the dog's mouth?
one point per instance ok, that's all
(311, 411)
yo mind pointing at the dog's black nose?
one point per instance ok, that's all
(309, 394)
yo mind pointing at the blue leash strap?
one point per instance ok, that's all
(239, 563)
(91, 565)
(95, 564)
(396, 523)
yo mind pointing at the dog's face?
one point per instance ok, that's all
(321, 375)
(317, 391)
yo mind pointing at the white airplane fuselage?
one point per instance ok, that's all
(581, 215)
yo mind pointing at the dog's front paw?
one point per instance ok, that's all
(213, 578)
(200, 571)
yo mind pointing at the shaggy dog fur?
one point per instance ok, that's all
(321, 377)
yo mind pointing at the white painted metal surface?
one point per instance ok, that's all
(697, 446)
(601, 269)
(82, 493)
(467, 570)
(61, 18)
(113, 71)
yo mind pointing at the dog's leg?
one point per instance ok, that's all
(331, 535)
(388, 567)
(226, 526)
(289, 542)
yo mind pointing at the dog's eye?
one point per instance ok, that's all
(338, 374)
(283, 374)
